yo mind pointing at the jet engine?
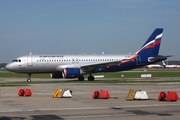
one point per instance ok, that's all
(71, 72)
(56, 75)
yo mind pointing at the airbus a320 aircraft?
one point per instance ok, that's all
(75, 66)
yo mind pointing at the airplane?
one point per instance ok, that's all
(170, 66)
(75, 66)
(154, 66)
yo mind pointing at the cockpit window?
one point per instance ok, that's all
(16, 60)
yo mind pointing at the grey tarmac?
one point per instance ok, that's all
(41, 105)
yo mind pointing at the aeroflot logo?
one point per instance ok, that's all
(152, 43)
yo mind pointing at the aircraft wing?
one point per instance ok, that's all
(93, 66)
(89, 67)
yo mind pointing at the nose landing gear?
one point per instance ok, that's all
(29, 78)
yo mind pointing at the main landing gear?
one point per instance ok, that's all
(90, 78)
(29, 78)
(81, 78)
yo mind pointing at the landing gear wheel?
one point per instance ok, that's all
(28, 80)
(91, 78)
(81, 78)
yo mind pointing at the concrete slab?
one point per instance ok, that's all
(41, 105)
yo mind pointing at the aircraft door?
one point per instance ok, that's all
(75, 61)
(138, 60)
(29, 61)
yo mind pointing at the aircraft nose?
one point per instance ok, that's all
(9, 67)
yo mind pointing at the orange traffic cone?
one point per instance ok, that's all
(162, 96)
(21, 92)
(95, 95)
(104, 94)
(28, 92)
(172, 96)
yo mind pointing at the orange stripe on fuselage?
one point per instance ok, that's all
(126, 61)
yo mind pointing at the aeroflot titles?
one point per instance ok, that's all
(42, 59)
(45, 56)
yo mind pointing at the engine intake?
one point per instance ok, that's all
(56, 75)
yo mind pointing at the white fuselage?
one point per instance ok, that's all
(55, 63)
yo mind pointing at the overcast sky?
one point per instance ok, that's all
(86, 26)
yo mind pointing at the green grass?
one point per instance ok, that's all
(11, 84)
(19, 75)
(135, 74)
(126, 74)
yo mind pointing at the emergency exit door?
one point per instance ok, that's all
(29, 61)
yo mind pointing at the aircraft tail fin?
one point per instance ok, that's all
(152, 45)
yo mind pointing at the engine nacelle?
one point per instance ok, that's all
(71, 72)
(56, 75)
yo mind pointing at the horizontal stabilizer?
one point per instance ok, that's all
(152, 59)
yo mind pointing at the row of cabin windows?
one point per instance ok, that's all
(78, 60)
